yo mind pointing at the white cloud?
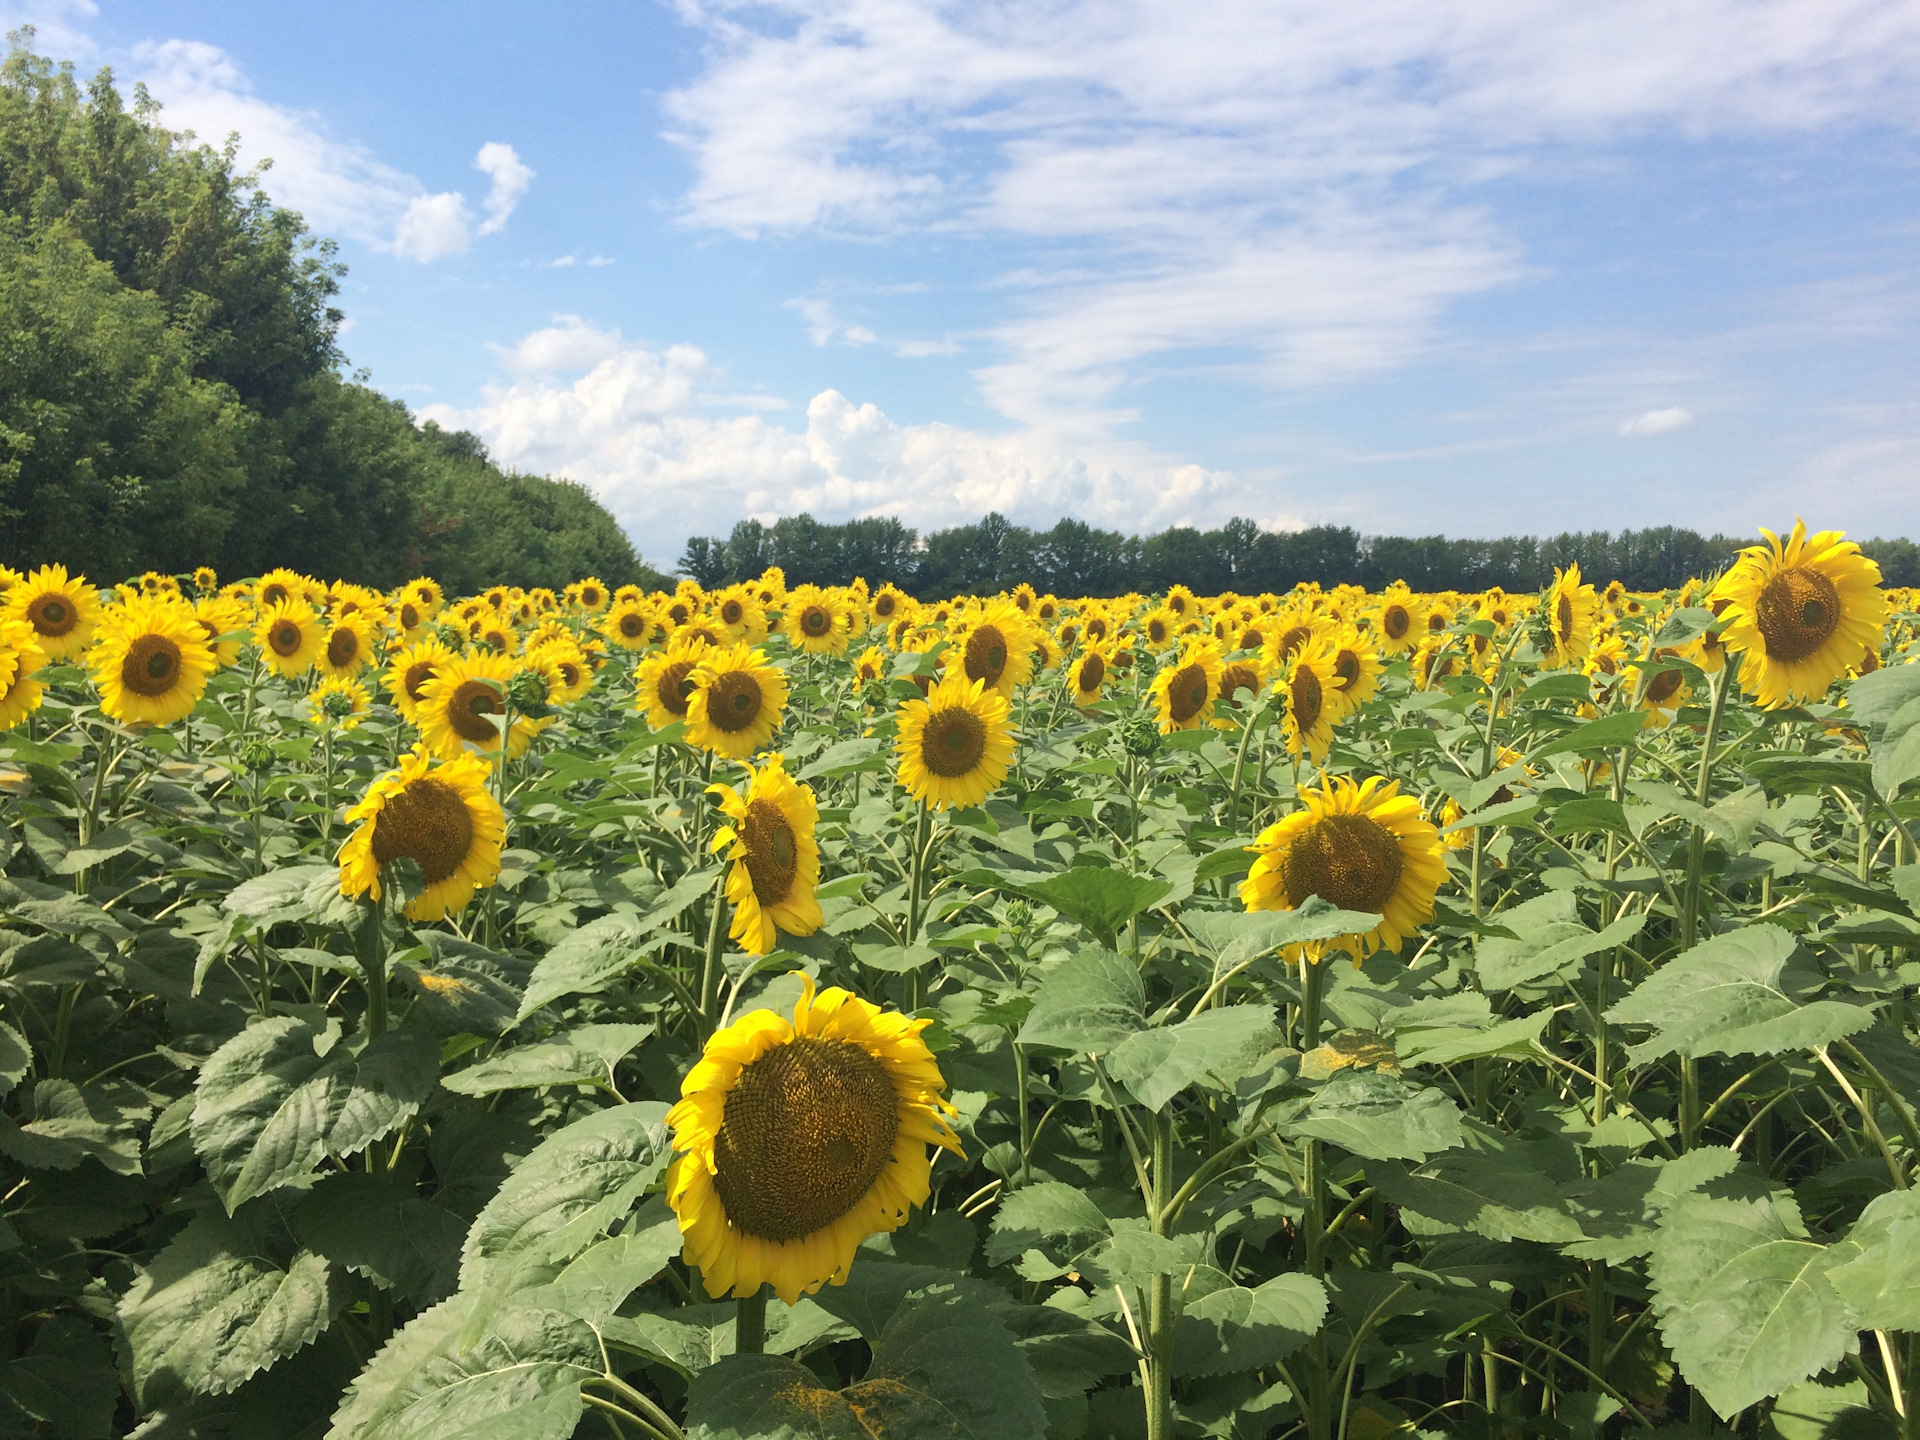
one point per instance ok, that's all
(1297, 182)
(340, 186)
(511, 178)
(637, 428)
(1658, 422)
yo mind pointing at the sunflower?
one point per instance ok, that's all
(776, 863)
(1315, 701)
(1660, 694)
(1183, 691)
(664, 679)
(814, 623)
(568, 671)
(888, 602)
(345, 647)
(1399, 621)
(290, 637)
(1180, 601)
(150, 662)
(427, 594)
(1361, 847)
(1088, 673)
(1568, 609)
(1804, 609)
(410, 670)
(629, 624)
(206, 579)
(62, 609)
(1356, 667)
(799, 1139)
(1496, 607)
(225, 624)
(996, 647)
(735, 702)
(21, 657)
(338, 702)
(1024, 597)
(1235, 676)
(714, 636)
(1285, 636)
(955, 745)
(1098, 629)
(457, 706)
(589, 594)
(740, 615)
(278, 587)
(1433, 662)
(1159, 627)
(442, 817)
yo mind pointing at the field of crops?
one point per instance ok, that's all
(817, 1012)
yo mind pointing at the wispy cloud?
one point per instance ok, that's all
(1658, 422)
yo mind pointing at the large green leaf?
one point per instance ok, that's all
(519, 1379)
(943, 1369)
(1381, 1117)
(1492, 1186)
(585, 962)
(281, 1096)
(1241, 935)
(1219, 1045)
(1237, 1329)
(570, 1190)
(1882, 1285)
(1814, 1411)
(70, 1123)
(1621, 1210)
(1091, 1002)
(213, 1309)
(1736, 994)
(1060, 1220)
(1549, 938)
(64, 1387)
(1103, 900)
(586, 1056)
(379, 1228)
(1607, 733)
(1742, 1297)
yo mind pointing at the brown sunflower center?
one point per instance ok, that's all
(417, 675)
(1661, 687)
(1096, 629)
(1351, 861)
(473, 701)
(1093, 670)
(409, 616)
(342, 647)
(1157, 631)
(1395, 621)
(815, 620)
(734, 700)
(773, 855)
(569, 674)
(733, 612)
(1186, 693)
(590, 598)
(808, 1128)
(1251, 638)
(1306, 697)
(672, 689)
(285, 639)
(1798, 611)
(883, 607)
(1346, 668)
(632, 626)
(53, 615)
(427, 823)
(1235, 678)
(953, 743)
(275, 594)
(152, 666)
(1563, 618)
(986, 657)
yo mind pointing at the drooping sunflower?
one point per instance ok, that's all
(799, 1139)
(346, 647)
(1315, 701)
(1087, 673)
(290, 637)
(150, 661)
(1183, 691)
(1804, 609)
(996, 646)
(1568, 610)
(63, 609)
(736, 701)
(1362, 847)
(338, 703)
(443, 817)
(776, 861)
(20, 659)
(457, 707)
(664, 682)
(814, 623)
(410, 670)
(954, 746)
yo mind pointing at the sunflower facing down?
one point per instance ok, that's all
(290, 636)
(798, 1139)
(736, 701)
(1183, 692)
(62, 609)
(665, 682)
(150, 662)
(1362, 847)
(955, 745)
(776, 862)
(442, 817)
(1804, 609)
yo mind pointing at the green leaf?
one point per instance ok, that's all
(565, 1194)
(1133, 1255)
(1558, 687)
(291, 893)
(1807, 774)
(375, 1227)
(1829, 1412)
(465, 988)
(1060, 1220)
(928, 1380)
(1220, 1045)
(1242, 935)
(1236, 1329)
(66, 1382)
(1877, 697)
(1103, 900)
(276, 1100)
(1883, 1285)
(1609, 732)
(212, 1310)
(1734, 994)
(1491, 1186)
(586, 961)
(1449, 1045)
(71, 1123)
(1684, 627)
(1229, 861)
(1742, 1298)
(519, 1379)
(1549, 937)
(1090, 1002)
(1620, 1210)
(1381, 1117)
(586, 1056)
(846, 758)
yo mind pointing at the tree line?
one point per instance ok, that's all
(171, 391)
(1074, 558)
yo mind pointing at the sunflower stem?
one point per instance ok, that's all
(710, 969)
(750, 1323)
(1160, 1310)
(371, 942)
(1690, 916)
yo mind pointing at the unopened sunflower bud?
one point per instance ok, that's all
(1139, 736)
(1019, 916)
(336, 706)
(256, 756)
(528, 691)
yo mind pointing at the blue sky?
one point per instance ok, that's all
(1410, 265)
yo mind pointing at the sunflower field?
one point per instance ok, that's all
(826, 1013)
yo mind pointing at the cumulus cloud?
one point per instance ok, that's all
(1658, 422)
(642, 429)
(339, 185)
